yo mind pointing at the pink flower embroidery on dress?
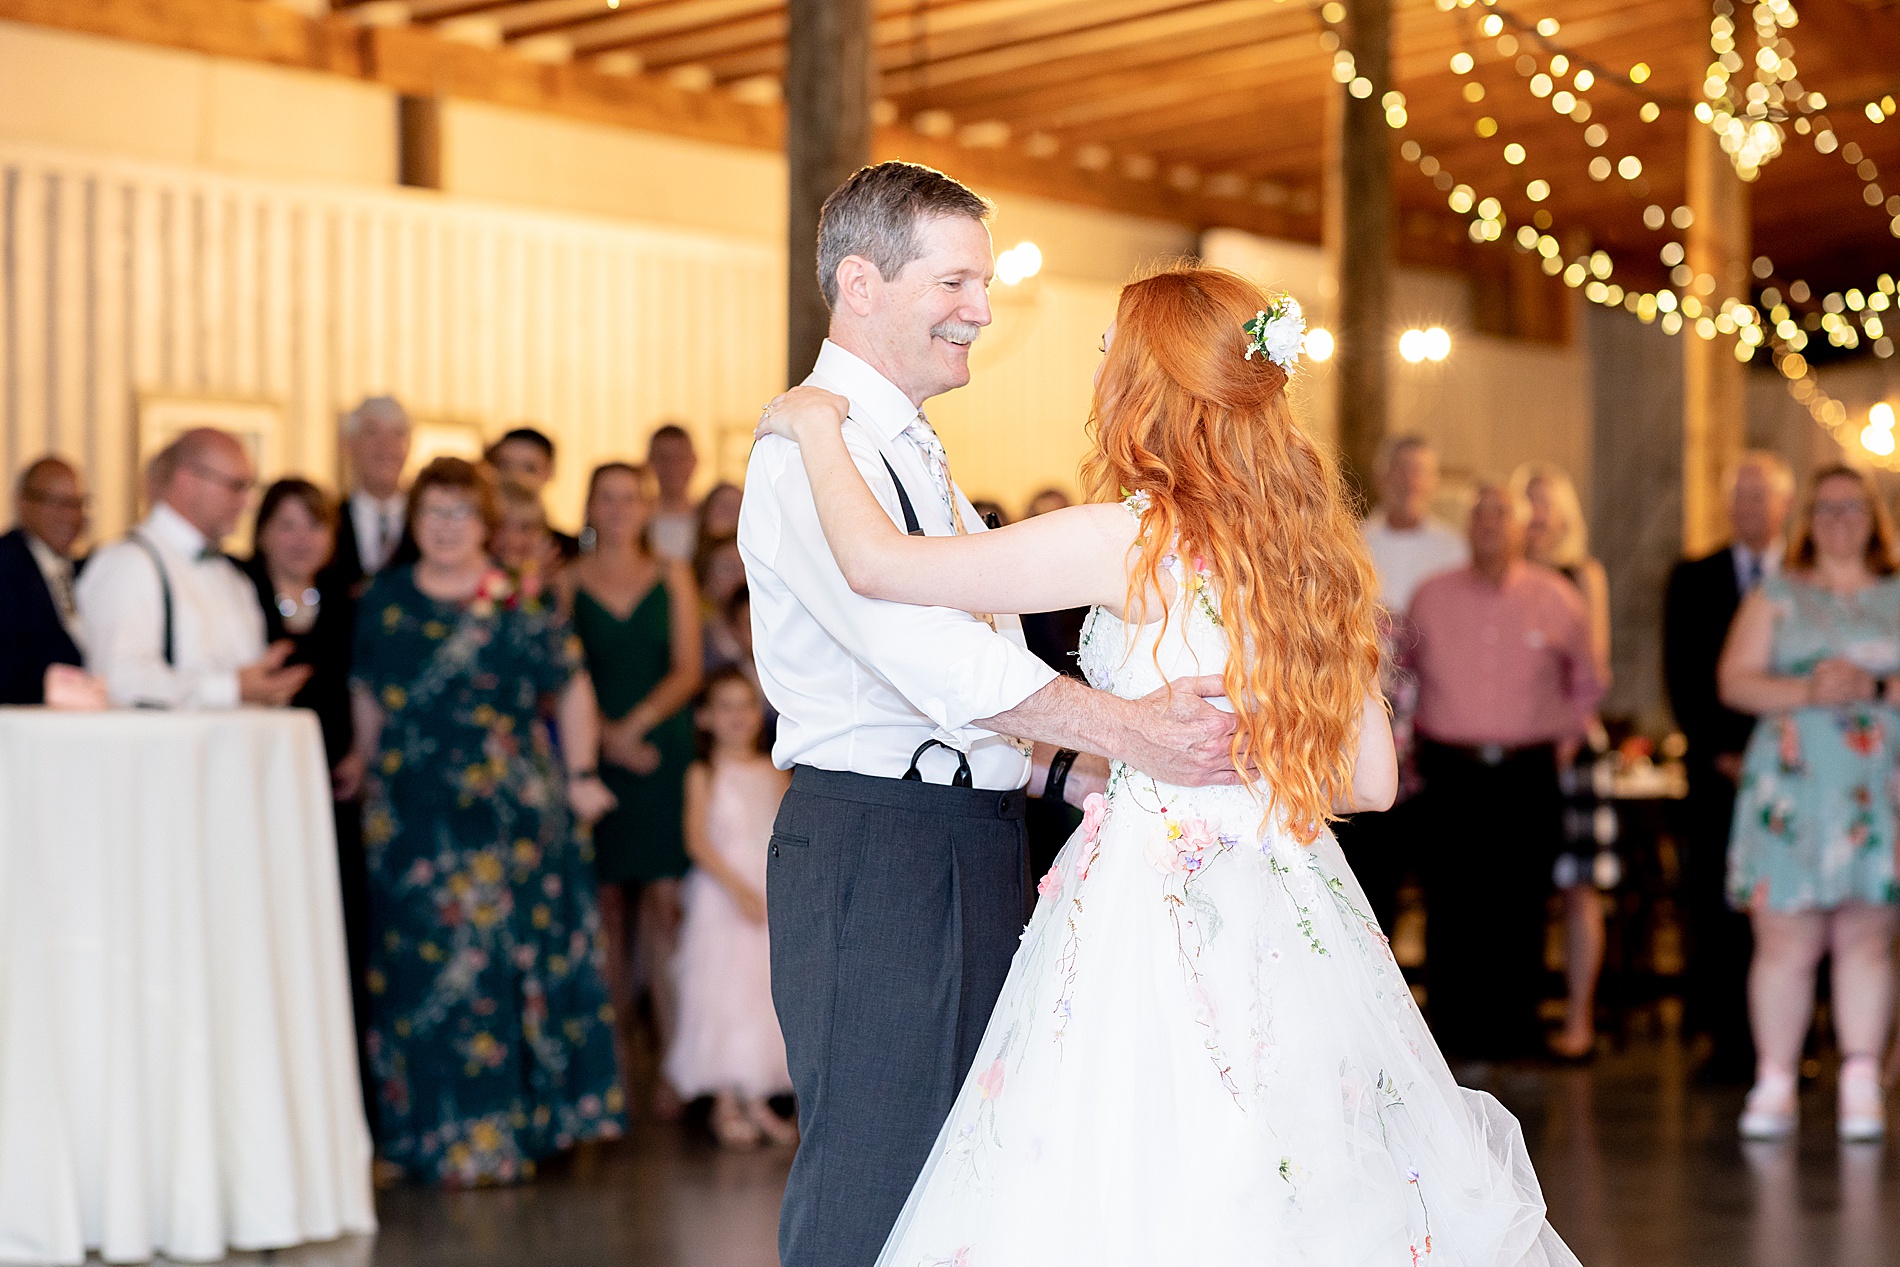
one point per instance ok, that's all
(1184, 848)
(1094, 813)
(1050, 884)
(990, 1081)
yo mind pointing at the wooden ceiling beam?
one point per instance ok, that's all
(1059, 86)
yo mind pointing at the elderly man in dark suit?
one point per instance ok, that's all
(1702, 597)
(370, 531)
(38, 621)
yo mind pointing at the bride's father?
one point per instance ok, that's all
(897, 877)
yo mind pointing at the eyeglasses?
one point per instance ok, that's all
(56, 500)
(448, 512)
(1840, 509)
(236, 485)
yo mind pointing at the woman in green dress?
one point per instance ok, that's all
(637, 615)
(1815, 653)
(491, 1033)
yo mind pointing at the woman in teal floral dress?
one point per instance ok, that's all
(1815, 653)
(491, 1036)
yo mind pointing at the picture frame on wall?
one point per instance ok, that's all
(432, 438)
(257, 424)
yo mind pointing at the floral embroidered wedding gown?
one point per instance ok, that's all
(1205, 1053)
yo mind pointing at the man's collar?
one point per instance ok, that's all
(390, 502)
(167, 527)
(876, 402)
(41, 551)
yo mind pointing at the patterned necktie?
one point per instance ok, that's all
(924, 436)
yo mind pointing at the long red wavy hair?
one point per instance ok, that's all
(1181, 414)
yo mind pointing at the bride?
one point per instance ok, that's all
(1204, 1052)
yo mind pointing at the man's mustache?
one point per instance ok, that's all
(963, 332)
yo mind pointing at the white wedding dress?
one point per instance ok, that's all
(1205, 1053)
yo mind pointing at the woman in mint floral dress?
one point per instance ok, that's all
(490, 1037)
(1815, 652)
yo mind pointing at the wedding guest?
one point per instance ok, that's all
(637, 615)
(524, 457)
(1702, 598)
(1047, 500)
(490, 1028)
(311, 607)
(39, 620)
(672, 460)
(728, 1043)
(1408, 544)
(165, 619)
(1506, 677)
(725, 643)
(719, 512)
(1814, 653)
(718, 570)
(524, 544)
(1558, 537)
(369, 535)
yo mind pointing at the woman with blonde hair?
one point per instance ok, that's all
(1201, 1001)
(1815, 653)
(1558, 537)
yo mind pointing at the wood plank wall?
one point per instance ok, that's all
(119, 279)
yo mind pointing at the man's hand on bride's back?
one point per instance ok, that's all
(801, 407)
(1183, 739)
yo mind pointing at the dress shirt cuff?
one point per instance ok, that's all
(993, 678)
(217, 690)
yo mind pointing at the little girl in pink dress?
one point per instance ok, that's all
(727, 1042)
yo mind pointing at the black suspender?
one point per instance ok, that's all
(911, 525)
(164, 588)
(915, 529)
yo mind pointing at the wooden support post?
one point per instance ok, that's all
(828, 70)
(1358, 236)
(419, 141)
(1715, 384)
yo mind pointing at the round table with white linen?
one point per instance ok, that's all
(177, 1060)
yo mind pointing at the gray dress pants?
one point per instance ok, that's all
(895, 908)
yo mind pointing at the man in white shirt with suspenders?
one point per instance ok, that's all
(896, 883)
(169, 622)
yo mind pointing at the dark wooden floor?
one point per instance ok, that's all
(1641, 1168)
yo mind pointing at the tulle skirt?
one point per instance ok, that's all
(1205, 1054)
(727, 1036)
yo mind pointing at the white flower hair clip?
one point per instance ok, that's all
(1278, 334)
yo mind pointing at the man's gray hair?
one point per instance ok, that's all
(875, 214)
(1777, 471)
(376, 409)
(1513, 496)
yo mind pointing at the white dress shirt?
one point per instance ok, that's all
(1752, 568)
(217, 625)
(57, 571)
(1406, 558)
(378, 522)
(674, 534)
(860, 683)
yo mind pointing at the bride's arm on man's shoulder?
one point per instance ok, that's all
(1375, 768)
(1075, 557)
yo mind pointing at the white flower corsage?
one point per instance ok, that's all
(1278, 333)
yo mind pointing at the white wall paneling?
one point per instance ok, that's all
(120, 278)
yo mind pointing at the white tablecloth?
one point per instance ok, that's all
(177, 1065)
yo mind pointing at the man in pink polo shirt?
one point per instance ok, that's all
(1505, 678)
